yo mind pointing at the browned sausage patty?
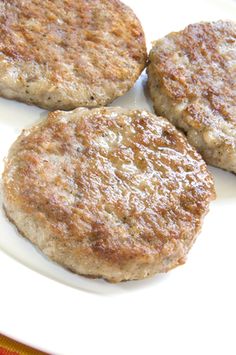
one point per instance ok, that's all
(192, 81)
(63, 54)
(108, 192)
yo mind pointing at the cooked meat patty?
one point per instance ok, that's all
(192, 81)
(107, 192)
(63, 54)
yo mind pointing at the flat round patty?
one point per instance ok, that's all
(107, 192)
(63, 54)
(192, 81)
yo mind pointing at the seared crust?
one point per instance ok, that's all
(112, 193)
(67, 53)
(192, 81)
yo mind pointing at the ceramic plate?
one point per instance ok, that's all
(190, 310)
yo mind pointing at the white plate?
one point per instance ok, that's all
(191, 310)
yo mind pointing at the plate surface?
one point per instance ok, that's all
(191, 310)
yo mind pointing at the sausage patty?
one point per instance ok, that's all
(63, 54)
(107, 192)
(192, 81)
